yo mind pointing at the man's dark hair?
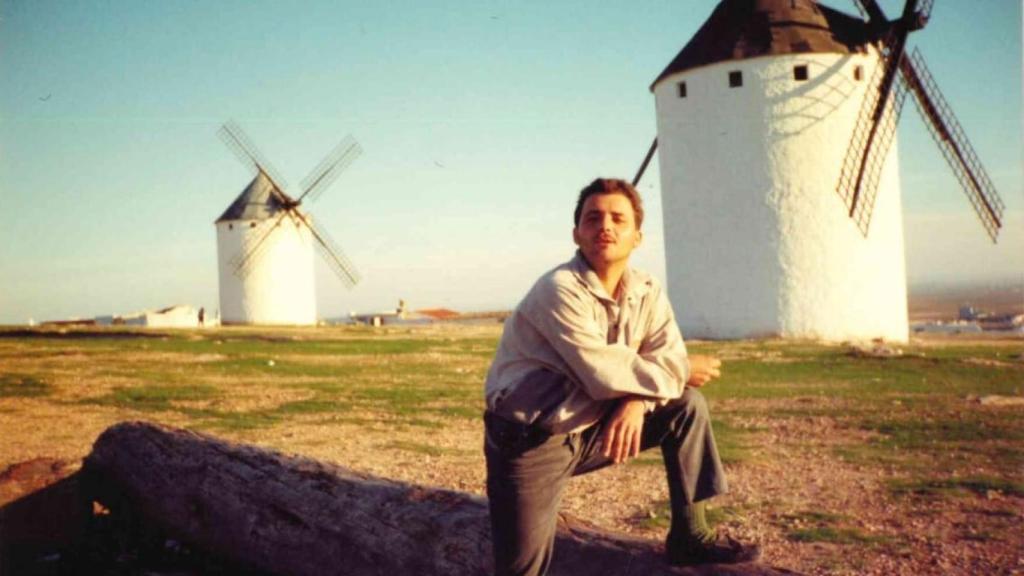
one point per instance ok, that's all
(611, 186)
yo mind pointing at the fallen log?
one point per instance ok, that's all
(291, 515)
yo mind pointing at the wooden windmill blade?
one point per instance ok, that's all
(325, 173)
(332, 253)
(872, 11)
(863, 164)
(876, 123)
(253, 250)
(949, 135)
(239, 142)
(924, 11)
(647, 160)
(921, 13)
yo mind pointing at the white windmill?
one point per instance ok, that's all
(265, 242)
(772, 108)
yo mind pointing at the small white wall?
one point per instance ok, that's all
(279, 288)
(176, 317)
(757, 240)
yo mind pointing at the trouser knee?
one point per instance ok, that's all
(696, 404)
(691, 407)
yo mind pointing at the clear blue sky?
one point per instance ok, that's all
(479, 120)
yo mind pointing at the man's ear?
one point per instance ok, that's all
(638, 239)
(576, 235)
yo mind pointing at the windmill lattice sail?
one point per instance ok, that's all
(254, 247)
(325, 173)
(242, 146)
(332, 253)
(318, 180)
(866, 154)
(949, 135)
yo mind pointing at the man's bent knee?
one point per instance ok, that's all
(691, 405)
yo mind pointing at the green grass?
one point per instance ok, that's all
(23, 386)
(424, 449)
(818, 526)
(978, 485)
(659, 517)
(227, 421)
(154, 398)
(913, 407)
(834, 535)
(733, 441)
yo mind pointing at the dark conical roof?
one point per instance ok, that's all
(260, 200)
(742, 29)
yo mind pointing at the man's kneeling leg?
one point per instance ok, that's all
(694, 472)
(525, 480)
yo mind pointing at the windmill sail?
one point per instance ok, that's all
(330, 168)
(873, 134)
(239, 142)
(952, 141)
(868, 150)
(264, 200)
(263, 206)
(332, 253)
(647, 160)
(255, 247)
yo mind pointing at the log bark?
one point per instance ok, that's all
(291, 515)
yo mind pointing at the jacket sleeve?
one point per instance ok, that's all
(663, 345)
(606, 371)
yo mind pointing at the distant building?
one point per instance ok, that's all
(178, 316)
(958, 327)
(1003, 323)
(967, 312)
(402, 315)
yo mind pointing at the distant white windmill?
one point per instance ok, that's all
(771, 109)
(265, 242)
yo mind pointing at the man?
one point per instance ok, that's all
(590, 371)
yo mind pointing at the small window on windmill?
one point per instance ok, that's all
(231, 226)
(252, 224)
(682, 89)
(735, 79)
(800, 72)
(858, 72)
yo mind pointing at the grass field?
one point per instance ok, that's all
(839, 462)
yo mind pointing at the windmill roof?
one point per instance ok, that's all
(260, 200)
(743, 29)
(439, 313)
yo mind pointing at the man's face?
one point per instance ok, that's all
(606, 233)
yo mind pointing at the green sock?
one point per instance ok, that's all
(690, 526)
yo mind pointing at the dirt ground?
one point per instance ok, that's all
(790, 477)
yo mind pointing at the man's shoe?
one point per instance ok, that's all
(720, 550)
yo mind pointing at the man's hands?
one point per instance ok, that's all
(703, 369)
(620, 439)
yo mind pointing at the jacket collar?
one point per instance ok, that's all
(635, 284)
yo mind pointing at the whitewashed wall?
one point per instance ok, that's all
(177, 317)
(280, 287)
(757, 240)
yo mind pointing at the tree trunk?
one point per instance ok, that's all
(296, 516)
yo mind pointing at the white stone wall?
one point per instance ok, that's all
(176, 317)
(279, 289)
(757, 241)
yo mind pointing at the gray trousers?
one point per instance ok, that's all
(527, 471)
